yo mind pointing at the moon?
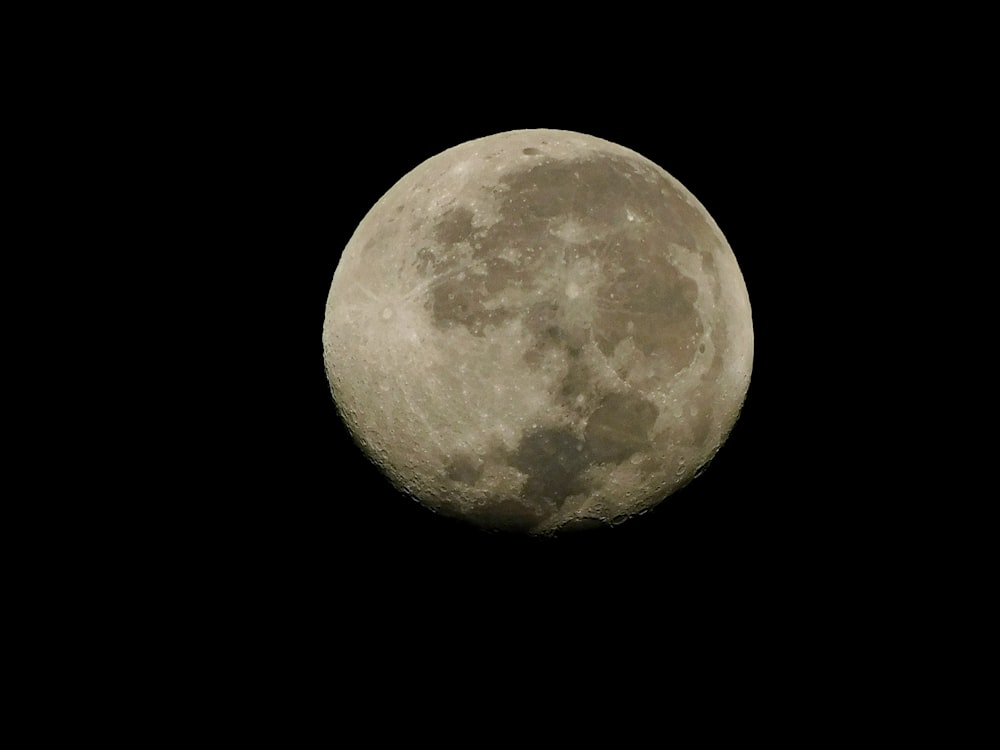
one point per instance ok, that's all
(538, 331)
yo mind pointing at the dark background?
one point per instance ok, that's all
(764, 515)
(249, 551)
(248, 554)
(775, 527)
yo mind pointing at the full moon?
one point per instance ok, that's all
(538, 331)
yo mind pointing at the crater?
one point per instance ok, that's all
(530, 151)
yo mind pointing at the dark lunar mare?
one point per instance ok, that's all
(642, 296)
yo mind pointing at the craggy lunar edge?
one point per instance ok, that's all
(538, 331)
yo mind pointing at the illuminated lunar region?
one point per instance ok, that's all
(538, 331)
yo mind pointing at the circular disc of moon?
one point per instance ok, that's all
(538, 331)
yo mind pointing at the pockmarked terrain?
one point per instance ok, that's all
(538, 331)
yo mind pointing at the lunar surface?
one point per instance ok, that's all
(538, 331)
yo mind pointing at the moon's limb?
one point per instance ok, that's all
(537, 329)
